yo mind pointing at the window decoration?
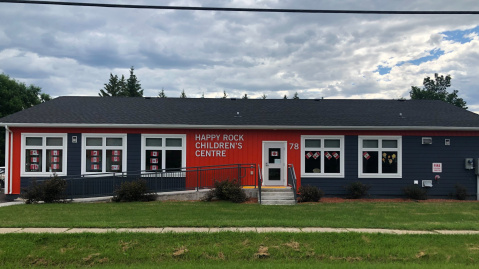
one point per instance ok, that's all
(322, 156)
(380, 156)
(104, 153)
(163, 152)
(43, 154)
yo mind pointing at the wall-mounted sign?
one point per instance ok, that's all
(217, 145)
(437, 167)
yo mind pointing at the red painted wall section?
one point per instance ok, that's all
(216, 147)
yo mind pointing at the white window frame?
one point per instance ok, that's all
(322, 174)
(104, 148)
(380, 149)
(44, 149)
(163, 148)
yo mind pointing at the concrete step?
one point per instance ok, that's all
(276, 190)
(277, 202)
(278, 195)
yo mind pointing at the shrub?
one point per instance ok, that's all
(50, 191)
(356, 190)
(309, 194)
(227, 190)
(415, 192)
(133, 191)
(461, 192)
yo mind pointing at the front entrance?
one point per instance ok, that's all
(274, 163)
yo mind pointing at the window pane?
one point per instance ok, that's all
(274, 155)
(153, 160)
(312, 162)
(389, 162)
(153, 142)
(34, 141)
(370, 144)
(312, 143)
(332, 162)
(94, 141)
(54, 141)
(54, 160)
(114, 142)
(173, 159)
(33, 160)
(370, 162)
(390, 143)
(173, 142)
(331, 143)
(94, 160)
(113, 161)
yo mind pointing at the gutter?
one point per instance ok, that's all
(8, 153)
(242, 127)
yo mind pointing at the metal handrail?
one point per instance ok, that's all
(260, 183)
(292, 181)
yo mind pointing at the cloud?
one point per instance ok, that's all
(72, 50)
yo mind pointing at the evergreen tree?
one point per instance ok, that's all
(133, 86)
(224, 95)
(285, 97)
(183, 94)
(296, 96)
(263, 96)
(162, 94)
(114, 87)
(245, 96)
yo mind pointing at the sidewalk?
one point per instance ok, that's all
(226, 229)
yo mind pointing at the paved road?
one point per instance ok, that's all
(226, 229)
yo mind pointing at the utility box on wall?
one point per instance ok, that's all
(469, 164)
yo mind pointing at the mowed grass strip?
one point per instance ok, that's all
(229, 249)
(392, 215)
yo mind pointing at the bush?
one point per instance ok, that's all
(310, 194)
(50, 191)
(356, 190)
(133, 191)
(227, 190)
(415, 192)
(461, 192)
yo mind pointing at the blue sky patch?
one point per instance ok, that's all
(433, 55)
(458, 35)
(383, 70)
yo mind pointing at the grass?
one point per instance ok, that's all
(406, 215)
(238, 250)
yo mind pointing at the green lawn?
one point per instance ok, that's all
(405, 215)
(238, 250)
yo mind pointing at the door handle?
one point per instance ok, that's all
(267, 164)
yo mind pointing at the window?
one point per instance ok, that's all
(103, 153)
(322, 156)
(380, 157)
(43, 154)
(163, 152)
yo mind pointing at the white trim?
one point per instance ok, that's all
(104, 148)
(341, 154)
(236, 127)
(163, 148)
(44, 148)
(285, 162)
(7, 161)
(379, 149)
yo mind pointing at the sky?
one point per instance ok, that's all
(73, 50)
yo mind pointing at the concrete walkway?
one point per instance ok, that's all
(226, 229)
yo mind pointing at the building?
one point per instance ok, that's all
(388, 144)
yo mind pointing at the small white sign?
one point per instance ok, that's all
(437, 167)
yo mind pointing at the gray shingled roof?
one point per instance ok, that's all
(249, 113)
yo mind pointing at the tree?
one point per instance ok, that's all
(162, 94)
(263, 96)
(224, 95)
(119, 87)
(16, 96)
(285, 97)
(133, 86)
(183, 94)
(437, 90)
(296, 96)
(245, 96)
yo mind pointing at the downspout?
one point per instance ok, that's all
(8, 153)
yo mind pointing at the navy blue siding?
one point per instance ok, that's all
(417, 165)
(134, 152)
(74, 155)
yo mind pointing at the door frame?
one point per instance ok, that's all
(283, 182)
